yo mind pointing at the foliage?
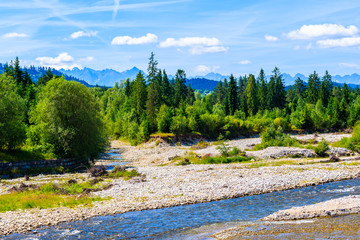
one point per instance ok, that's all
(321, 148)
(67, 118)
(222, 160)
(12, 108)
(273, 136)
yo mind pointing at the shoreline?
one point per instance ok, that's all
(28, 220)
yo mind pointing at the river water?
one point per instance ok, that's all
(197, 221)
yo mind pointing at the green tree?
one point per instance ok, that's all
(251, 96)
(262, 93)
(67, 119)
(12, 112)
(180, 87)
(139, 94)
(313, 88)
(232, 95)
(325, 88)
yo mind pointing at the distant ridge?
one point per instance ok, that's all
(106, 77)
(37, 72)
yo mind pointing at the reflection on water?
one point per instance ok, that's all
(195, 221)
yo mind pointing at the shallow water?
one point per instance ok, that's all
(197, 221)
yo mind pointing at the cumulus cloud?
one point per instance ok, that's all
(244, 62)
(127, 40)
(15, 35)
(341, 42)
(198, 45)
(63, 60)
(79, 34)
(350, 65)
(270, 38)
(321, 30)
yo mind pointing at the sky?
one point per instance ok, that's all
(228, 37)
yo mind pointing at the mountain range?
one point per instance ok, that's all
(108, 77)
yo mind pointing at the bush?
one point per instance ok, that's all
(221, 160)
(223, 149)
(321, 148)
(273, 136)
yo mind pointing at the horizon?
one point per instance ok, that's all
(198, 36)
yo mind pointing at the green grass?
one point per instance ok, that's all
(38, 199)
(50, 195)
(272, 164)
(200, 145)
(350, 163)
(124, 174)
(222, 160)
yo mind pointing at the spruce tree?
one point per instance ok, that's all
(313, 88)
(251, 96)
(262, 93)
(233, 99)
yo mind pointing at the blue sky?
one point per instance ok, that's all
(199, 36)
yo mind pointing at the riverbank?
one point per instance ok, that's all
(171, 185)
(178, 185)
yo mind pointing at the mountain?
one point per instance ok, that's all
(106, 77)
(37, 72)
(202, 83)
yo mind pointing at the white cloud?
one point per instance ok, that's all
(202, 69)
(270, 38)
(197, 50)
(350, 65)
(79, 34)
(15, 35)
(190, 41)
(63, 60)
(321, 30)
(342, 42)
(127, 40)
(244, 62)
(198, 45)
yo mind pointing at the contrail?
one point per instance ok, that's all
(116, 8)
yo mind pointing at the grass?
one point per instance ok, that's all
(37, 199)
(50, 195)
(272, 164)
(200, 145)
(350, 163)
(223, 160)
(124, 174)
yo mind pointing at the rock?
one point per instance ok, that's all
(334, 158)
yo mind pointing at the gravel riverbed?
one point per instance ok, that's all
(167, 186)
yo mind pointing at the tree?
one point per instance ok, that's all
(12, 111)
(233, 98)
(325, 89)
(139, 94)
(67, 119)
(300, 88)
(313, 88)
(251, 98)
(262, 93)
(152, 68)
(180, 87)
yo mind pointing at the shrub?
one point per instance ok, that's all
(273, 136)
(321, 148)
(223, 149)
(222, 160)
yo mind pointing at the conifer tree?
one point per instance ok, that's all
(180, 87)
(233, 95)
(251, 98)
(313, 88)
(262, 93)
(325, 88)
(139, 94)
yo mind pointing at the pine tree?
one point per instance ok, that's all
(300, 88)
(280, 89)
(139, 94)
(251, 96)
(233, 95)
(313, 88)
(152, 68)
(262, 90)
(180, 87)
(325, 88)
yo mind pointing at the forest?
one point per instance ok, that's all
(56, 118)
